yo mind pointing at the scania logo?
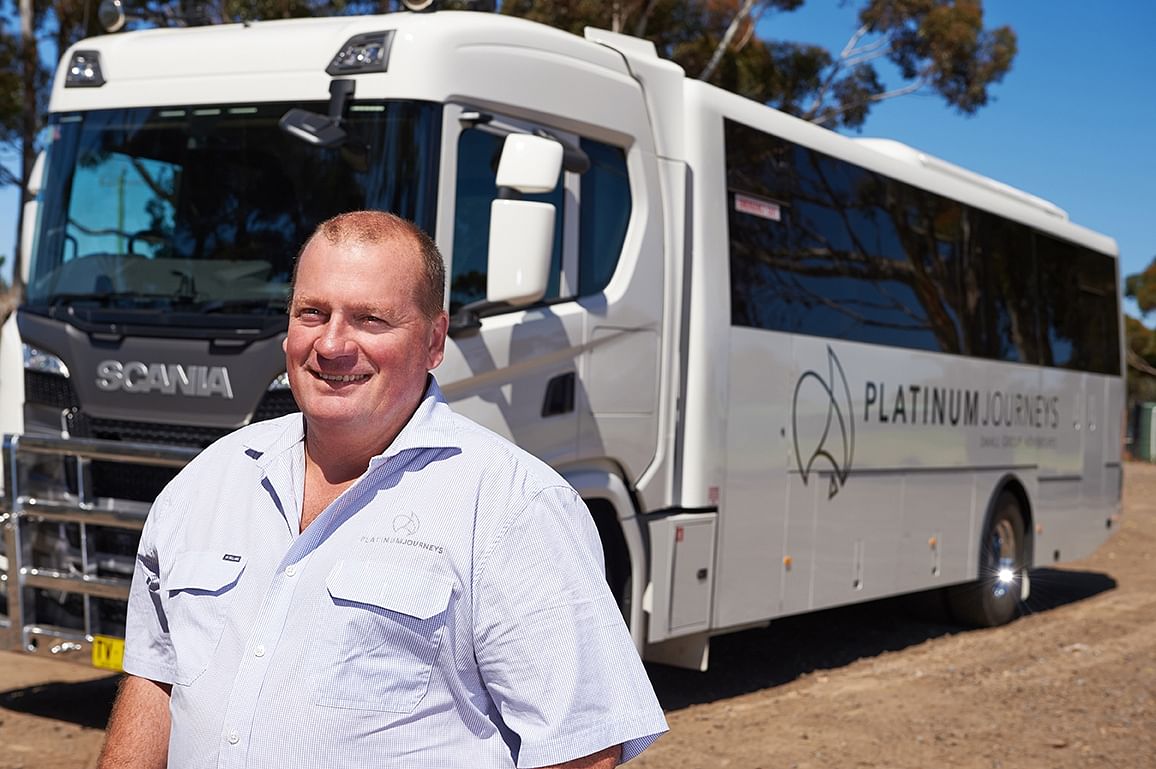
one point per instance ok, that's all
(166, 378)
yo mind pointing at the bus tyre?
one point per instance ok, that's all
(994, 598)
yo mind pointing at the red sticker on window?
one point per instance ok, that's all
(756, 207)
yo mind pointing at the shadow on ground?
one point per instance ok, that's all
(795, 646)
(86, 703)
(740, 662)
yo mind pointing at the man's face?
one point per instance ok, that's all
(359, 347)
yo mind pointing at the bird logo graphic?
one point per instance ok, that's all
(823, 425)
(406, 523)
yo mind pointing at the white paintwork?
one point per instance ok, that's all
(908, 515)
(11, 379)
(675, 410)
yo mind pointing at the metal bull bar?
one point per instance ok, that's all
(66, 557)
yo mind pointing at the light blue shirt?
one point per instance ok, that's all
(447, 610)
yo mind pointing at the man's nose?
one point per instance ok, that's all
(336, 340)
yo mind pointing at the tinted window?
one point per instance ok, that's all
(604, 216)
(1079, 318)
(200, 211)
(823, 247)
(1001, 290)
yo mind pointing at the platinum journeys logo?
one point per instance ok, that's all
(827, 436)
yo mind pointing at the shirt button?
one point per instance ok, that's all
(290, 571)
(234, 738)
(259, 650)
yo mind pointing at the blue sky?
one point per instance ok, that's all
(1073, 122)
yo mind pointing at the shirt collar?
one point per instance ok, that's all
(430, 427)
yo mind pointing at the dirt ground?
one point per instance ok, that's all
(1070, 684)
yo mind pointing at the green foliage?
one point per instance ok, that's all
(944, 43)
(936, 45)
(1141, 346)
(1142, 288)
(10, 95)
(1141, 340)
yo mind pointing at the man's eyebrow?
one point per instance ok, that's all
(299, 299)
(380, 310)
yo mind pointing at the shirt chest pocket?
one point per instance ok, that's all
(199, 587)
(381, 636)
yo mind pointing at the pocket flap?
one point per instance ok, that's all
(205, 570)
(417, 594)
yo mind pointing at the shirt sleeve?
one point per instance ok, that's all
(551, 643)
(148, 649)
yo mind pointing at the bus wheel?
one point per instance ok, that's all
(994, 598)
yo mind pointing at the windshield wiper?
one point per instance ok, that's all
(251, 305)
(111, 298)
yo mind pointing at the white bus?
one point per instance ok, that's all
(786, 369)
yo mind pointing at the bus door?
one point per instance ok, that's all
(574, 375)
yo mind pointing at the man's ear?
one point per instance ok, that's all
(437, 340)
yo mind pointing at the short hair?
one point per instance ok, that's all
(383, 227)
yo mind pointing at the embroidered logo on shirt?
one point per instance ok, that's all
(406, 523)
(232, 558)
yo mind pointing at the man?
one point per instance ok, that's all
(379, 582)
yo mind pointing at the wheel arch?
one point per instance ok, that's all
(1015, 486)
(623, 535)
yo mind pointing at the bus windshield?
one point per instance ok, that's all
(199, 211)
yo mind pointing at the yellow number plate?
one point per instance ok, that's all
(108, 652)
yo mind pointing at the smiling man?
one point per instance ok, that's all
(376, 581)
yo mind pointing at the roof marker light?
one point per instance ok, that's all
(84, 70)
(368, 52)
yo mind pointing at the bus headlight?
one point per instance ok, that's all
(43, 362)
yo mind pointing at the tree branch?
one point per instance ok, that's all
(911, 87)
(640, 27)
(723, 44)
(836, 68)
(1138, 363)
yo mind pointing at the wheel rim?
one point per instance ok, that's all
(1004, 566)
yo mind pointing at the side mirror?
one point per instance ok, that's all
(321, 130)
(521, 231)
(529, 164)
(28, 217)
(521, 241)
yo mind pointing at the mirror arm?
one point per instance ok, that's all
(468, 319)
(340, 91)
(574, 158)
